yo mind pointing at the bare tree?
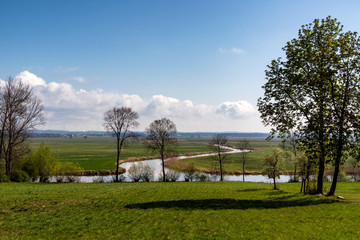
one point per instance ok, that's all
(120, 121)
(217, 142)
(273, 163)
(160, 137)
(20, 112)
(245, 146)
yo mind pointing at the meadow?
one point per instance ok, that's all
(196, 210)
(97, 153)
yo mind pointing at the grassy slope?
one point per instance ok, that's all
(227, 210)
(100, 153)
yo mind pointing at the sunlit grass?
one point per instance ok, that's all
(210, 210)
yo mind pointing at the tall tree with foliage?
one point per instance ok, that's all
(120, 121)
(160, 138)
(315, 92)
(20, 112)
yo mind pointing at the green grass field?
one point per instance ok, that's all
(198, 210)
(96, 153)
(234, 161)
(100, 153)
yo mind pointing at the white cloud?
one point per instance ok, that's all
(236, 110)
(238, 50)
(79, 79)
(30, 79)
(70, 109)
(231, 51)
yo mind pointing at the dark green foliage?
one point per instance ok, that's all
(3, 177)
(19, 176)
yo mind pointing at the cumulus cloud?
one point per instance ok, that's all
(239, 109)
(30, 79)
(68, 108)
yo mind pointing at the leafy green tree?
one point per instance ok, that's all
(315, 92)
(40, 164)
(273, 162)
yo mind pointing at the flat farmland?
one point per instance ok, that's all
(96, 153)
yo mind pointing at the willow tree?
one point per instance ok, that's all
(120, 121)
(315, 91)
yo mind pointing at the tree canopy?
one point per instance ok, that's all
(315, 91)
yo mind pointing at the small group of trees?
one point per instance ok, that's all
(160, 135)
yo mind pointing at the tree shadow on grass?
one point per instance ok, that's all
(228, 203)
(251, 190)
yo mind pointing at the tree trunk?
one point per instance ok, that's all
(320, 179)
(274, 183)
(117, 159)
(243, 170)
(163, 167)
(221, 171)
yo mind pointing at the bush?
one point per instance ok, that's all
(141, 171)
(121, 178)
(20, 176)
(189, 172)
(201, 177)
(98, 179)
(172, 175)
(3, 177)
(72, 179)
(40, 164)
(342, 177)
(60, 170)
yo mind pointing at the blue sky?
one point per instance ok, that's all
(200, 63)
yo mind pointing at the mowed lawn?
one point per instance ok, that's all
(198, 210)
(96, 153)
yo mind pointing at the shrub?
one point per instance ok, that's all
(342, 177)
(40, 164)
(189, 172)
(141, 171)
(3, 177)
(20, 176)
(121, 178)
(201, 177)
(61, 169)
(147, 173)
(98, 179)
(72, 179)
(172, 175)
